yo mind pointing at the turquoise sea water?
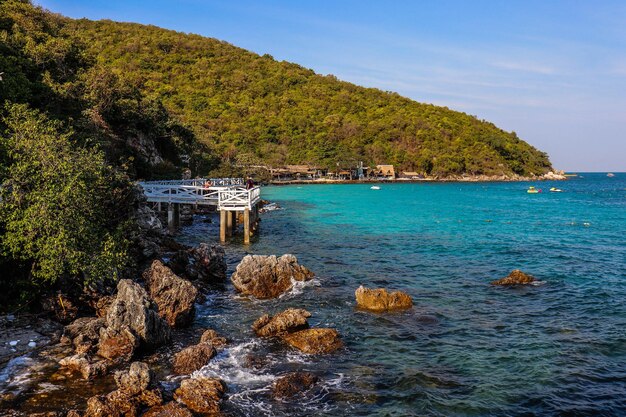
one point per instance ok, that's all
(466, 348)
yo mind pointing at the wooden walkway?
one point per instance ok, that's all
(229, 196)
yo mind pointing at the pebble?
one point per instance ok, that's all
(13, 342)
(32, 344)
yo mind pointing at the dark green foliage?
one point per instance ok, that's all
(238, 102)
(57, 201)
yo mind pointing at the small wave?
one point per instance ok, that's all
(270, 207)
(230, 365)
(297, 287)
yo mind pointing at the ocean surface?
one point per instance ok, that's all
(466, 348)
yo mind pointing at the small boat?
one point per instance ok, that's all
(555, 190)
(610, 174)
(374, 187)
(533, 190)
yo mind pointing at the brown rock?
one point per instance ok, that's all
(83, 334)
(132, 309)
(207, 263)
(135, 380)
(381, 300)
(119, 403)
(174, 296)
(314, 340)
(193, 358)
(201, 394)
(268, 276)
(293, 384)
(171, 409)
(85, 365)
(288, 321)
(516, 277)
(115, 344)
(212, 337)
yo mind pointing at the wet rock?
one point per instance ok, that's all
(135, 380)
(133, 310)
(201, 394)
(288, 321)
(516, 277)
(193, 358)
(121, 404)
(292, 384)
(174, 296)
(83, 334)
(212, 337)
(133, 394)
(381, 300)
(85, 365)
(314, 340)
(115, 344)
(268, 276)
(171, 409)
(207, 263)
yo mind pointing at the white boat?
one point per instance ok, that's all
(555, 190)
(610, 174)
(374, 187)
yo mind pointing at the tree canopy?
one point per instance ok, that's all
(236, 101)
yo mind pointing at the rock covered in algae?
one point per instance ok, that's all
(293, 384)
(381, 300)
(288, 321)
(516, 277)
(315, 340)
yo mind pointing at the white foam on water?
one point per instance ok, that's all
(297, 287)
(230, 366)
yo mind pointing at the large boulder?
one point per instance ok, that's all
(133, 309)
(207, 263)
(268, 276)
(314, 340)
(290, 320)
(293, 384)
(132, 395)
(381, 300)
(516, 277)
(192, 358)
(174, 296)
(114, 344)
(201, 394)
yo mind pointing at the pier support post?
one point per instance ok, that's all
(229, 223)
(223, 214)
(176, 215)
(246, 226)
(171, 221)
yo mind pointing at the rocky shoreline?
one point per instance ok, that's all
(136, 337)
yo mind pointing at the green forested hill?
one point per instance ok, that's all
(242, 104)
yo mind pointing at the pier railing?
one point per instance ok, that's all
(224, 193)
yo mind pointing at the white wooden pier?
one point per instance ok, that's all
(228, 195)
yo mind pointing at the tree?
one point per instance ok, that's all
(57, 201)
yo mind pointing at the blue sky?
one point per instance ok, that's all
(553, 71)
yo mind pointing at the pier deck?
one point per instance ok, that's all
(229, 196)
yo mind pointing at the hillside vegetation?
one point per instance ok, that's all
(239, 103)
